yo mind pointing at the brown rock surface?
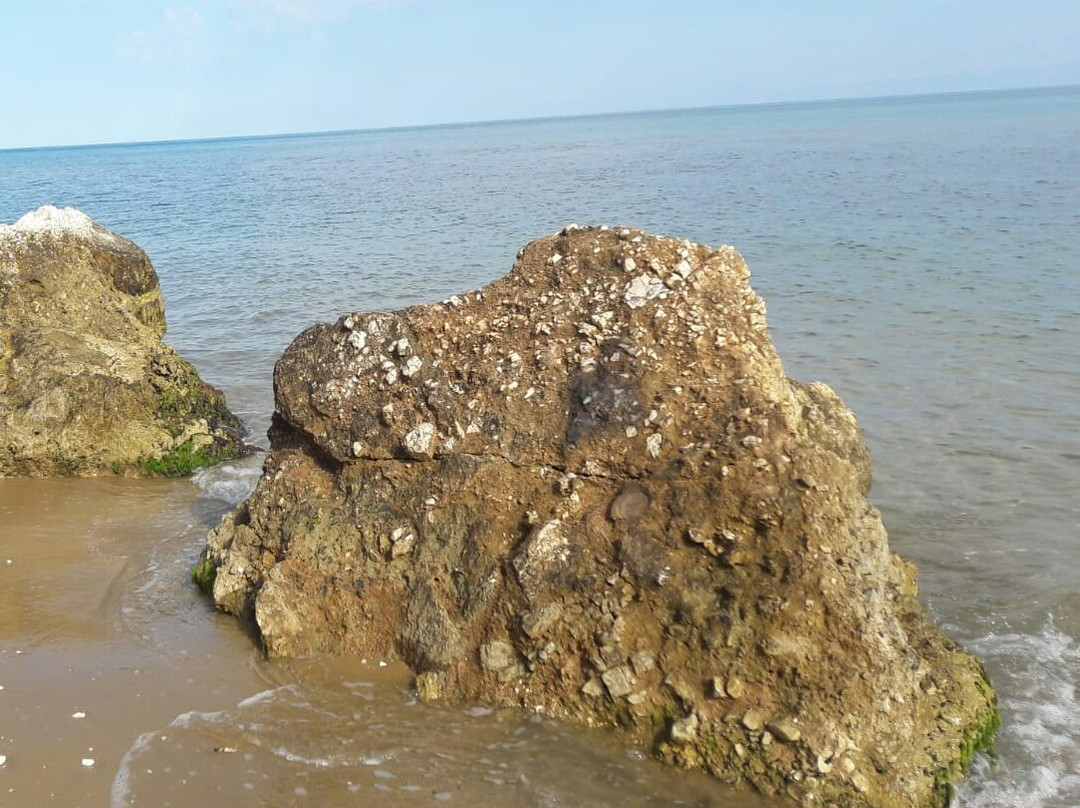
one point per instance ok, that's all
(589, 490)
(86, 385)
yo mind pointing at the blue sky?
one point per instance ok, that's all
(93, 71)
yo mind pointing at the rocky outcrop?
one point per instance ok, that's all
(589, 490)
(86, 385)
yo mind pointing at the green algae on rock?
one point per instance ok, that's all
(588, 490)
(86, 385)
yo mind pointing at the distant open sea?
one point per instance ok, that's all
(921, 255)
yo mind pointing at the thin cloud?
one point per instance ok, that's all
(177, 36)
(313, 11)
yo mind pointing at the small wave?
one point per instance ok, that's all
(265, 695)
(1038, 764)
(231, 482)
(120, 792)
(316, 762)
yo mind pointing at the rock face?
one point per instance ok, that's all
(86, 385)
(589, 490)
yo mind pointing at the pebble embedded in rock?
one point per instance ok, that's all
(593, 687)
(735, 687)
(685, 730)
(497, 655)
(419, 444)
(619, 681)
(412, 366)
(754, 720)
(402, 542)
(631, 503)
(642, 662)
(785, 729)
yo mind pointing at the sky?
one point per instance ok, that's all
(102, 71)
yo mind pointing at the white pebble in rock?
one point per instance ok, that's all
(88, 762)
(419, 443)
(685, 730)
(3, 759)
(412, 366)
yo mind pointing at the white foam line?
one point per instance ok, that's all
(264, 695)
(120, 792)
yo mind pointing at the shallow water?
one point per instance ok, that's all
(108, 654)
(922, 256)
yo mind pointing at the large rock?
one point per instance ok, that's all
(86, 385)
(589, 490)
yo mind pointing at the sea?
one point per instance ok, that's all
(921, 255)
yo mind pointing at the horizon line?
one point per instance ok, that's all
(536, 119)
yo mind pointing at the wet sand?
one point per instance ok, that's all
(96, 619)
(108, 654)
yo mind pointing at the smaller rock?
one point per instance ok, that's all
(535, 623)
(497, 655)
(511, 672)
(754, 720)
(735, 687)
(685, 730)
(619, 681)
(428, 686)
(402, 542)
(412, 366)
(594, 687)
(631, 503)
(642, 289)
(785, 729)
(419, 444)
(545, 550)
(642, 661)
(653, 444)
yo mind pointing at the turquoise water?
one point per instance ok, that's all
(921, 255)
